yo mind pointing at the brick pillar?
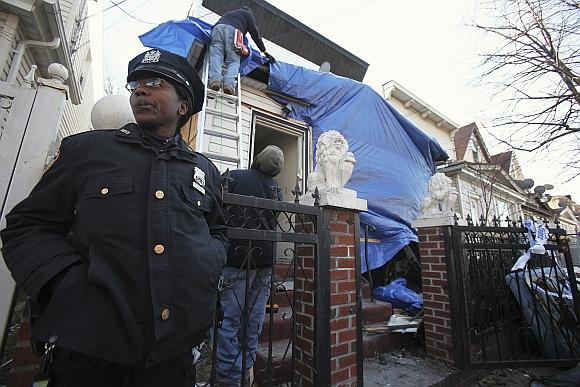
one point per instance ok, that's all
(441, 339)
(339, 285)
(343, 297)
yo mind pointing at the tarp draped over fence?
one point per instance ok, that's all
(394, 158)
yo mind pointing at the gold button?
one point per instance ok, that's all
(159, 194)
(159, 249)
(165, 314)
(105, 191)
(198, 203)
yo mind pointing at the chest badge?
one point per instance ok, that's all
(199, 180)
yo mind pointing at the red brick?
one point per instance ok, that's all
(428, 230)
(338, 228)
(434, 336)
(339, 376)
(339, 349)
(435, 238)
(339, 251)
(339, 299)
(432, 289)
(433, 305)
(434, 320)
(442, 283)
(345, 216)
(348, 335)
(422, 238)
(439, 267)
(443, 330)
(345, 240)
(439, 297)
(428, 245)
(347, 361)
(437, 252)
(431, 274)
(426, 258)
(338, 275)
(349, 286)
(345, 263)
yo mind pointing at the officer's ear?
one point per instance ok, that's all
(183, 107)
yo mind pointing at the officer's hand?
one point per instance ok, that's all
(270, 57)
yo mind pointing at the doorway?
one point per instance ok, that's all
(293, 139)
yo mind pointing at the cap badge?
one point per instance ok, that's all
(151, 56)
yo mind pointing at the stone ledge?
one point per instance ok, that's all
(437, 219)
(338, 198)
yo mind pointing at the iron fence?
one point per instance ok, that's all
(526, 317)
(282, 352)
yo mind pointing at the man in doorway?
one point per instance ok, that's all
(222, 47)
(252, 260)
(123, 241)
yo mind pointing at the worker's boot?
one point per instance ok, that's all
(215, 85)
(229, 90)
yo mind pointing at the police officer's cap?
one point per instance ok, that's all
(171, 66)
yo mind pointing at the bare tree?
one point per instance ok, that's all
(110, 85)
(535, 66)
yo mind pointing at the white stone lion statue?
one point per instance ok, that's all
(334, 163)
(441, 195)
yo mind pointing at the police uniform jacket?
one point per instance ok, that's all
(144, 247)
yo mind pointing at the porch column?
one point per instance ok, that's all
(329, 325)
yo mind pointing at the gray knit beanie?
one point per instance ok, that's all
(270, 160)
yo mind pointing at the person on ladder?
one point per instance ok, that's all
(227, 44)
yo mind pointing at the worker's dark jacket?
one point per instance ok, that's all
(245, 22)
(144, 248)
(252, 182)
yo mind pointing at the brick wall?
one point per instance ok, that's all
(437, 308)
(343, 304)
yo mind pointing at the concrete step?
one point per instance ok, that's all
(281, 363)
(378, 343)
(281, 325)
(376, 312)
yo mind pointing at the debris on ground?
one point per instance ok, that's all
(407, 367)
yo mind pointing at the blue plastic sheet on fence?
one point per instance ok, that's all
(395, 159)
(399, 296)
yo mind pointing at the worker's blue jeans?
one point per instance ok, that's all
(222, 47)
(231, 334)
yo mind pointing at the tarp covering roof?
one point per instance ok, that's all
(394, 158)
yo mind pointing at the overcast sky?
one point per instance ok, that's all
(426, 46)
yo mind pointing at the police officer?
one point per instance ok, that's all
(123, 240)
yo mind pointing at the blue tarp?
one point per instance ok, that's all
(394, 158)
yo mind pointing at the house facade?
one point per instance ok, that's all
(262, 119)
(44, 32)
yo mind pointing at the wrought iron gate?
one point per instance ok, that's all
(293, 288)
(512, 318)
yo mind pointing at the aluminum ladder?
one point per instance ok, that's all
(219, 127)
